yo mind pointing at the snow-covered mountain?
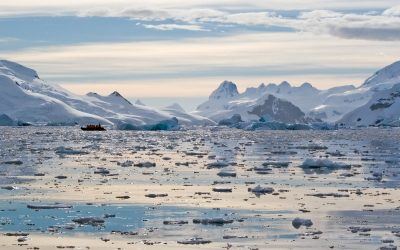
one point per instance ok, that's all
(312, 101)
(329, 105)
(337, 105)
(139, 102)
(226, 90)
(177, 111)
(382, 109)
(299, 96)
(124, 110)
(308, 98)
(26, 97)
(384, 78)
(253, 104)
(21, 100)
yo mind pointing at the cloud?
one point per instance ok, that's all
(154, 14)
(394, 11)
(133, 13)
(370, 26)
(174, 27)
(62, 6)
(381, 26)
(8, 40)
(316, 16)
(358, 26)
(256, 57)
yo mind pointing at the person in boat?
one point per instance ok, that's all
(93, 127)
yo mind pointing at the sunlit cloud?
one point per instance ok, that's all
(326, 42)
(174, 27)
(62, 6)
(269, 57)
(334, 17)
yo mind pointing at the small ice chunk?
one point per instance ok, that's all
(222, 189)
(227, 173)
(194, 241)
(155, 195)
(323, 163)
(69, 151)
(218, 164)
(93, 221)
(145, 164)
(127, 163)
(298, 222)
(49, 206)
(213, 221)
(13, 162)
(261, 190)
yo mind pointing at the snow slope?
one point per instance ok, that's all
(337, 105)
(329, 105)
(382, 109)
(312, 101)
(37, 108)
(25, 97)
(225, 102)
(183, 117)
(385, 78)
(299, 96)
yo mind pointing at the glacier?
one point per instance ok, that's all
(27, 98)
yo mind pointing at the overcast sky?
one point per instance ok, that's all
(185, 48)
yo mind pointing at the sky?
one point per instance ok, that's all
(180, 50)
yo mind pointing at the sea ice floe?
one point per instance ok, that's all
(323, 163)
(92, 221)
(48, 206)
(227, 173)
(222, 190)
(298, 222)
(261, 190)
(145, 164)
(194, 241)
(218, 164)
(69, 151)
(213, 221)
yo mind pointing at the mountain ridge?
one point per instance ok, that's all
(26, 97)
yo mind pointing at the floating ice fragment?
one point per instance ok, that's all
(323, 163)
(145, 164)
(376, 176)
(69, 151)
(217, 164)
(127, 163)
(102, 171)
(194, 241)
(276, 164)
(49, 206)
(92, 221)
(175, 222)
(261, 190)
(227, 173)
(155, 195)
(298, 222)
(222, 190)
(10, 187)
(214, 221)
(13, 162)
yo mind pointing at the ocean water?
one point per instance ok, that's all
(357, 186)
